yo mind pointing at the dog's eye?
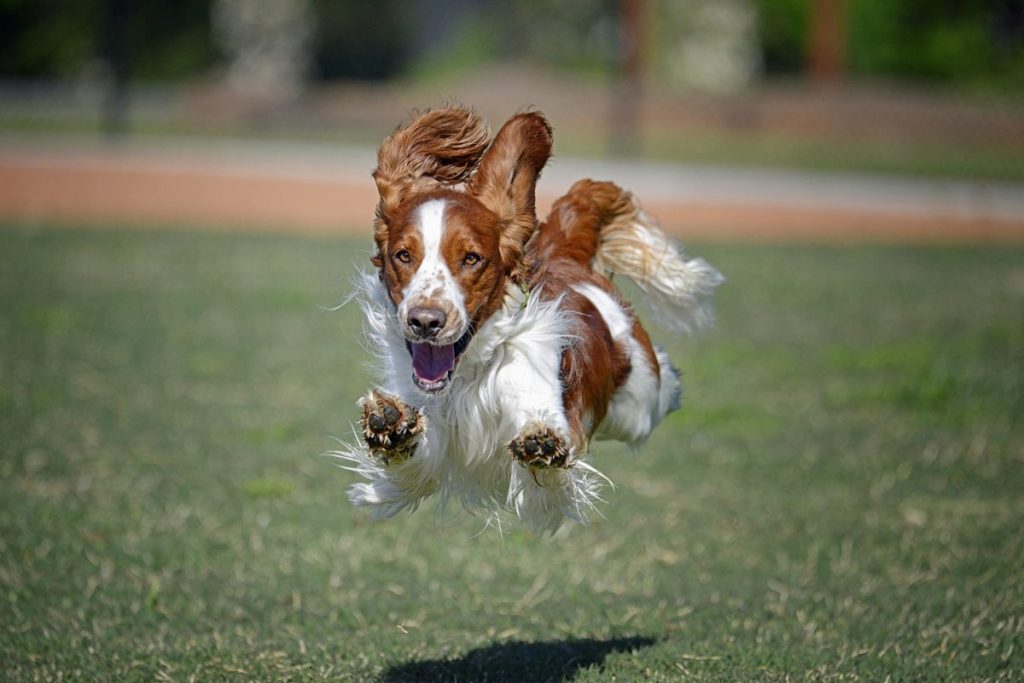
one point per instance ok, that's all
(403, 256)
(471, 259)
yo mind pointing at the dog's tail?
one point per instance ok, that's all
(628, 241)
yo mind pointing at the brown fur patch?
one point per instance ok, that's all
(559, 256)
(469, 227)
(403, 234)
(438, 149)
(644, 340)
(593, 367)
(506, 181)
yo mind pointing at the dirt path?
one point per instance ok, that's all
(307, 188)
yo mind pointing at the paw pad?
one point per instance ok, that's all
(540, 448)
(385, 418)
(389, 427)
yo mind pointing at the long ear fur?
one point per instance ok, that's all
(439, 148)
(506, 181)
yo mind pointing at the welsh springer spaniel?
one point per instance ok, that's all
(502, 344)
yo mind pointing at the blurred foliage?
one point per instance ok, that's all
(964, 42)
(46, 37)
(572, 35)
(960, 42)
(361, 39)
(783, 27)
(164, 39)
(455, 36)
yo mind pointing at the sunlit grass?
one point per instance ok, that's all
(840, 498)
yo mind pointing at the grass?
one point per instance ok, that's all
(840, 499)
(983, 159)
(980, 160)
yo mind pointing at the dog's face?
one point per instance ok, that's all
(444, 272)
(446, 256)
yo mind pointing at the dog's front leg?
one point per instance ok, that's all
(541, 447)
(390, 427)
(531, 394)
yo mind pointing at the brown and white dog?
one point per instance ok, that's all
(502, 344)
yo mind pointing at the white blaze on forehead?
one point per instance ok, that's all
(431, 224)
(433, 285)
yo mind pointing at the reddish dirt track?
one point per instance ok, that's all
(98, 188)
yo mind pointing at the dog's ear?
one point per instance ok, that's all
(506, 181)
(439, 148)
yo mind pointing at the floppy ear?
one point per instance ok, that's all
(506, 181)
(439, 148)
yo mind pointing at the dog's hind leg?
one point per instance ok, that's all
(390, 427)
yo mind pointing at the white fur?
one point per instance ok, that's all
(433, 285)
(670, 394)
(507, 377)
(620, 325)
(635, 408)
(638, 406)
(678, 289)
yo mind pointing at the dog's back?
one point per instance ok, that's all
(612, 371)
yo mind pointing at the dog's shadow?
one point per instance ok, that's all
(554, 660)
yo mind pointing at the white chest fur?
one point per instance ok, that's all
(507, 377)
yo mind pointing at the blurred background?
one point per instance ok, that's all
(923, 88)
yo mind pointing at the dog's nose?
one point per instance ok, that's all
(427, 322)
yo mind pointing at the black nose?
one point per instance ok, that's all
(427, 322)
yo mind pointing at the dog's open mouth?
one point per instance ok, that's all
(433, 365)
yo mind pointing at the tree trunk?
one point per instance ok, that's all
(826, 45)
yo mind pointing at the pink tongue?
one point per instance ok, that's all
(432, 363)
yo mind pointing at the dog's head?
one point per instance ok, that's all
(454, 216)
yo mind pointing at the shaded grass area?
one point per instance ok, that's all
(982, 160)
(987, 160)
(840, 499)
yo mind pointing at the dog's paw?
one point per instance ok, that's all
(390, 427)
(541, 448)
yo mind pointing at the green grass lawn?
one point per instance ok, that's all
(841, 497)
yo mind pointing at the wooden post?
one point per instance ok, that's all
(627, 90)
(114, 48)
(826, 44)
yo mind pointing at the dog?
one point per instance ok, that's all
(502, 345)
